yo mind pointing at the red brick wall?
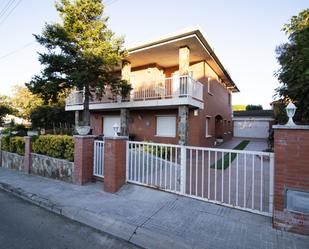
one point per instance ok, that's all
(291, 172)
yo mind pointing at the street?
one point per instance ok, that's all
(23, 225)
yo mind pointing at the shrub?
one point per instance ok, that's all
(59, 146)
(156, 151)
(13, 144)
(5, 143)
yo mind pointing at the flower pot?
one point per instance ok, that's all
(219, 140)
(83, 130)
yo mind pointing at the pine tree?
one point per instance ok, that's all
(81, 52)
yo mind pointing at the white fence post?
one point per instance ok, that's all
(183, 165)
(271, 181)
(127, 160)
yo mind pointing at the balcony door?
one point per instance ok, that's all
(175, 85)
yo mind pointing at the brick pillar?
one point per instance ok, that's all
(114, 163)
(27, 158)
(183, 112)
(291, 174)
(83, 159)
(184, 60)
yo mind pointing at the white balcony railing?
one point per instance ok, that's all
(166, 88)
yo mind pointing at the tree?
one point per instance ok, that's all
(254, 107)
(51, 117)
(82, 52)
(5, 108)
(293, 58)
(24, 101)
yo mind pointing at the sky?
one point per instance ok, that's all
(244, 35)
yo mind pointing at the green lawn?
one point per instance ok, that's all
(226, 163)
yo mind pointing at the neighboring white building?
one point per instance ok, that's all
(252, 124)
(8, 119)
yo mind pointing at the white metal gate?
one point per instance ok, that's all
(98, 159)
(246, 181)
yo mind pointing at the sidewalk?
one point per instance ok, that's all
(151, 218)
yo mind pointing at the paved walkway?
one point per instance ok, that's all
(254, 145)
(152, 218)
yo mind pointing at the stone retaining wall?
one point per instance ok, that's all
(12, 161)
(51, 167)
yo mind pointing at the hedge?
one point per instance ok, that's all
(58, 146)
(13, 144)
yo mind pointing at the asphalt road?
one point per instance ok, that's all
(23, 225)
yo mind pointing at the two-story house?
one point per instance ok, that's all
(181, 94)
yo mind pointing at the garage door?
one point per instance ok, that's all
(251, 128)
(108, 123)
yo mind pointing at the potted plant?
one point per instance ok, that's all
(219, 139)
(124, 89)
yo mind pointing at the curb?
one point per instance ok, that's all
(136, 235)
(33, 198)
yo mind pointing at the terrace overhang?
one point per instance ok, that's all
(165, 53)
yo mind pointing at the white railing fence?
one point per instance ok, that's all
(241, 179)
(156, 165)
(174, 87)
(98, 159)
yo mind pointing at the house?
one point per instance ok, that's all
(181, 94)
(253, 123)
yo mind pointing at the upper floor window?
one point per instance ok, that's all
(230, 98)
(210, 85)
(207, 129)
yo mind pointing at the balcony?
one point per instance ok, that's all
(174, 91)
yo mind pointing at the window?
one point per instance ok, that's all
(166, 126)
(230, 97)
(207, 125)
(210, 85)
